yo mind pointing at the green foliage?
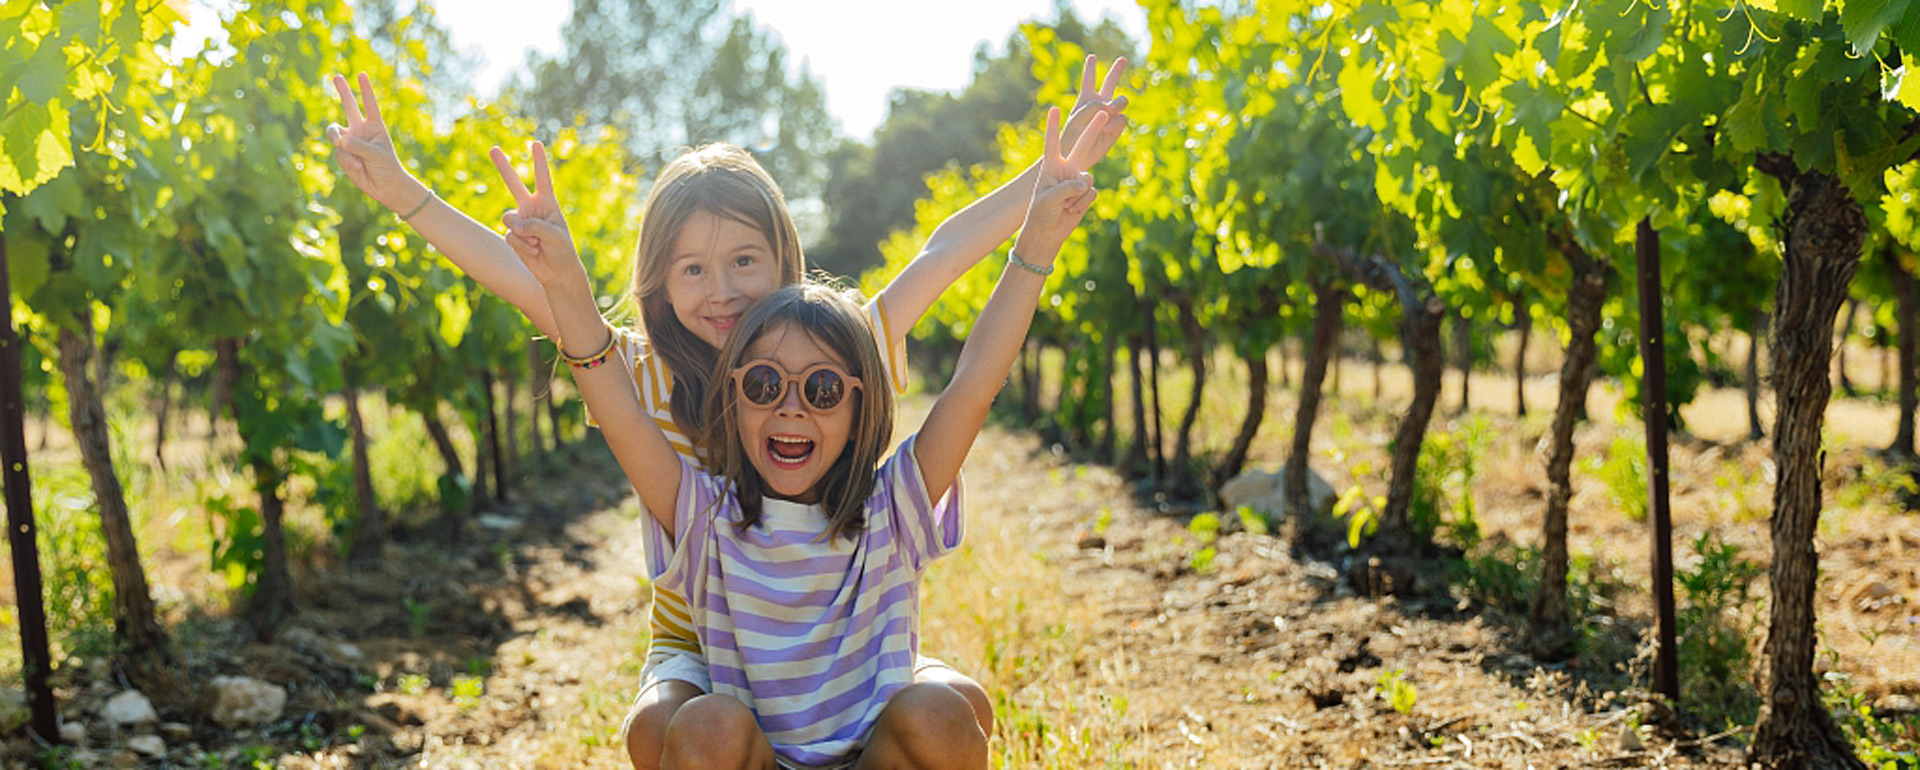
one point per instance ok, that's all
(1205, 529)
(1255, 522)
(1883, 742)
(239, 542)
(1443, 485)
(1715, 619)
(1624, 472)
(76, 586)
(1394, 688)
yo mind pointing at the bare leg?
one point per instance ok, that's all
(975, 694)
(647, 724)
(716, 731)
(926, 725)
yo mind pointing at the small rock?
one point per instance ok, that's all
(1266, 492)
(1896, 706)
(148, 745)
(176, 731)
(1630, 739)
(242, 701)
(1091, 540)
(126, 758)
(500, 524)
(130, 707)
(73, 733)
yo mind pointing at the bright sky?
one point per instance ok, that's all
(859, 49)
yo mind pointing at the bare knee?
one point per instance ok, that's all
(715, 731)
(647, 723)
(971, 690)
(928, 724)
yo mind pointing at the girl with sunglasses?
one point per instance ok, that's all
(716, 237)
(800, 549)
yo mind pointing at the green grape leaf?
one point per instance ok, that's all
(1862, 21)
(455, 313)
(1806, 10)
(46, 74)
(54, 202)
(1357, 97)
(1907, 92)
(29, 259)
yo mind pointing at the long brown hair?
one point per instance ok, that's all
(837, 324)
(725, 181)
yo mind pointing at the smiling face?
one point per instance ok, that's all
(720, 267)
(789, 444)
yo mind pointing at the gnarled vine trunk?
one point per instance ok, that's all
(1551, 634)
(1194, 338)
(134, 620)
(369, 524)
(1421, 313)
(1329, 310)
(1755, 334)
(1907, 311)
(1821, 235)
(1522, 322)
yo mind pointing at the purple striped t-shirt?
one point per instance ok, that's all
(812, 634)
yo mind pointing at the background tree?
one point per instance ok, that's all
(668, 75)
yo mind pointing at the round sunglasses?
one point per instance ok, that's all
(823, 387)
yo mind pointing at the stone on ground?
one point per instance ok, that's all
(1266, 492)
(130, 707)
(242, 701)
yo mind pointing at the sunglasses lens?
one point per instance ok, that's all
(761, 385)
(824, 389)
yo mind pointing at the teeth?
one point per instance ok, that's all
(791, 440)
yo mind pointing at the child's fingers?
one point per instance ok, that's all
(1083, 152)
(372, 102)
(1113, 77)
(1051, 149)
(539, 230)
(510, 175)
(540, 176)
(1088, 72)
(360, 148)
(521, 246)
(347, 101)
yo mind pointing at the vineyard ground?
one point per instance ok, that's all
(520, 647)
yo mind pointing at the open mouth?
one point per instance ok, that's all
(724, 322)
(789, 451)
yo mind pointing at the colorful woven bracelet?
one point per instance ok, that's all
(589, 362)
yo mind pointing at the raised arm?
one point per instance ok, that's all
(545, 249)
(365, 150)
(1060, 197)
(965, 238)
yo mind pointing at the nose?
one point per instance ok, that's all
(791, 402)
(724, 290)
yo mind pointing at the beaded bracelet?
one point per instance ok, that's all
(589, 362)
(1016, 261)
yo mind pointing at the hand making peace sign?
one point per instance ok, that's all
(365, 151)
(1062, 193)
(1094, 100)
(536, 230)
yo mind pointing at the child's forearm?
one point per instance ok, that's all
(480, 253)
(650, 463)
(955, 247)
(985, 360)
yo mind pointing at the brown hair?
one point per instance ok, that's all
(836, 323)
(727, 182)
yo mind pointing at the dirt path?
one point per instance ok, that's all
(1103, 637)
